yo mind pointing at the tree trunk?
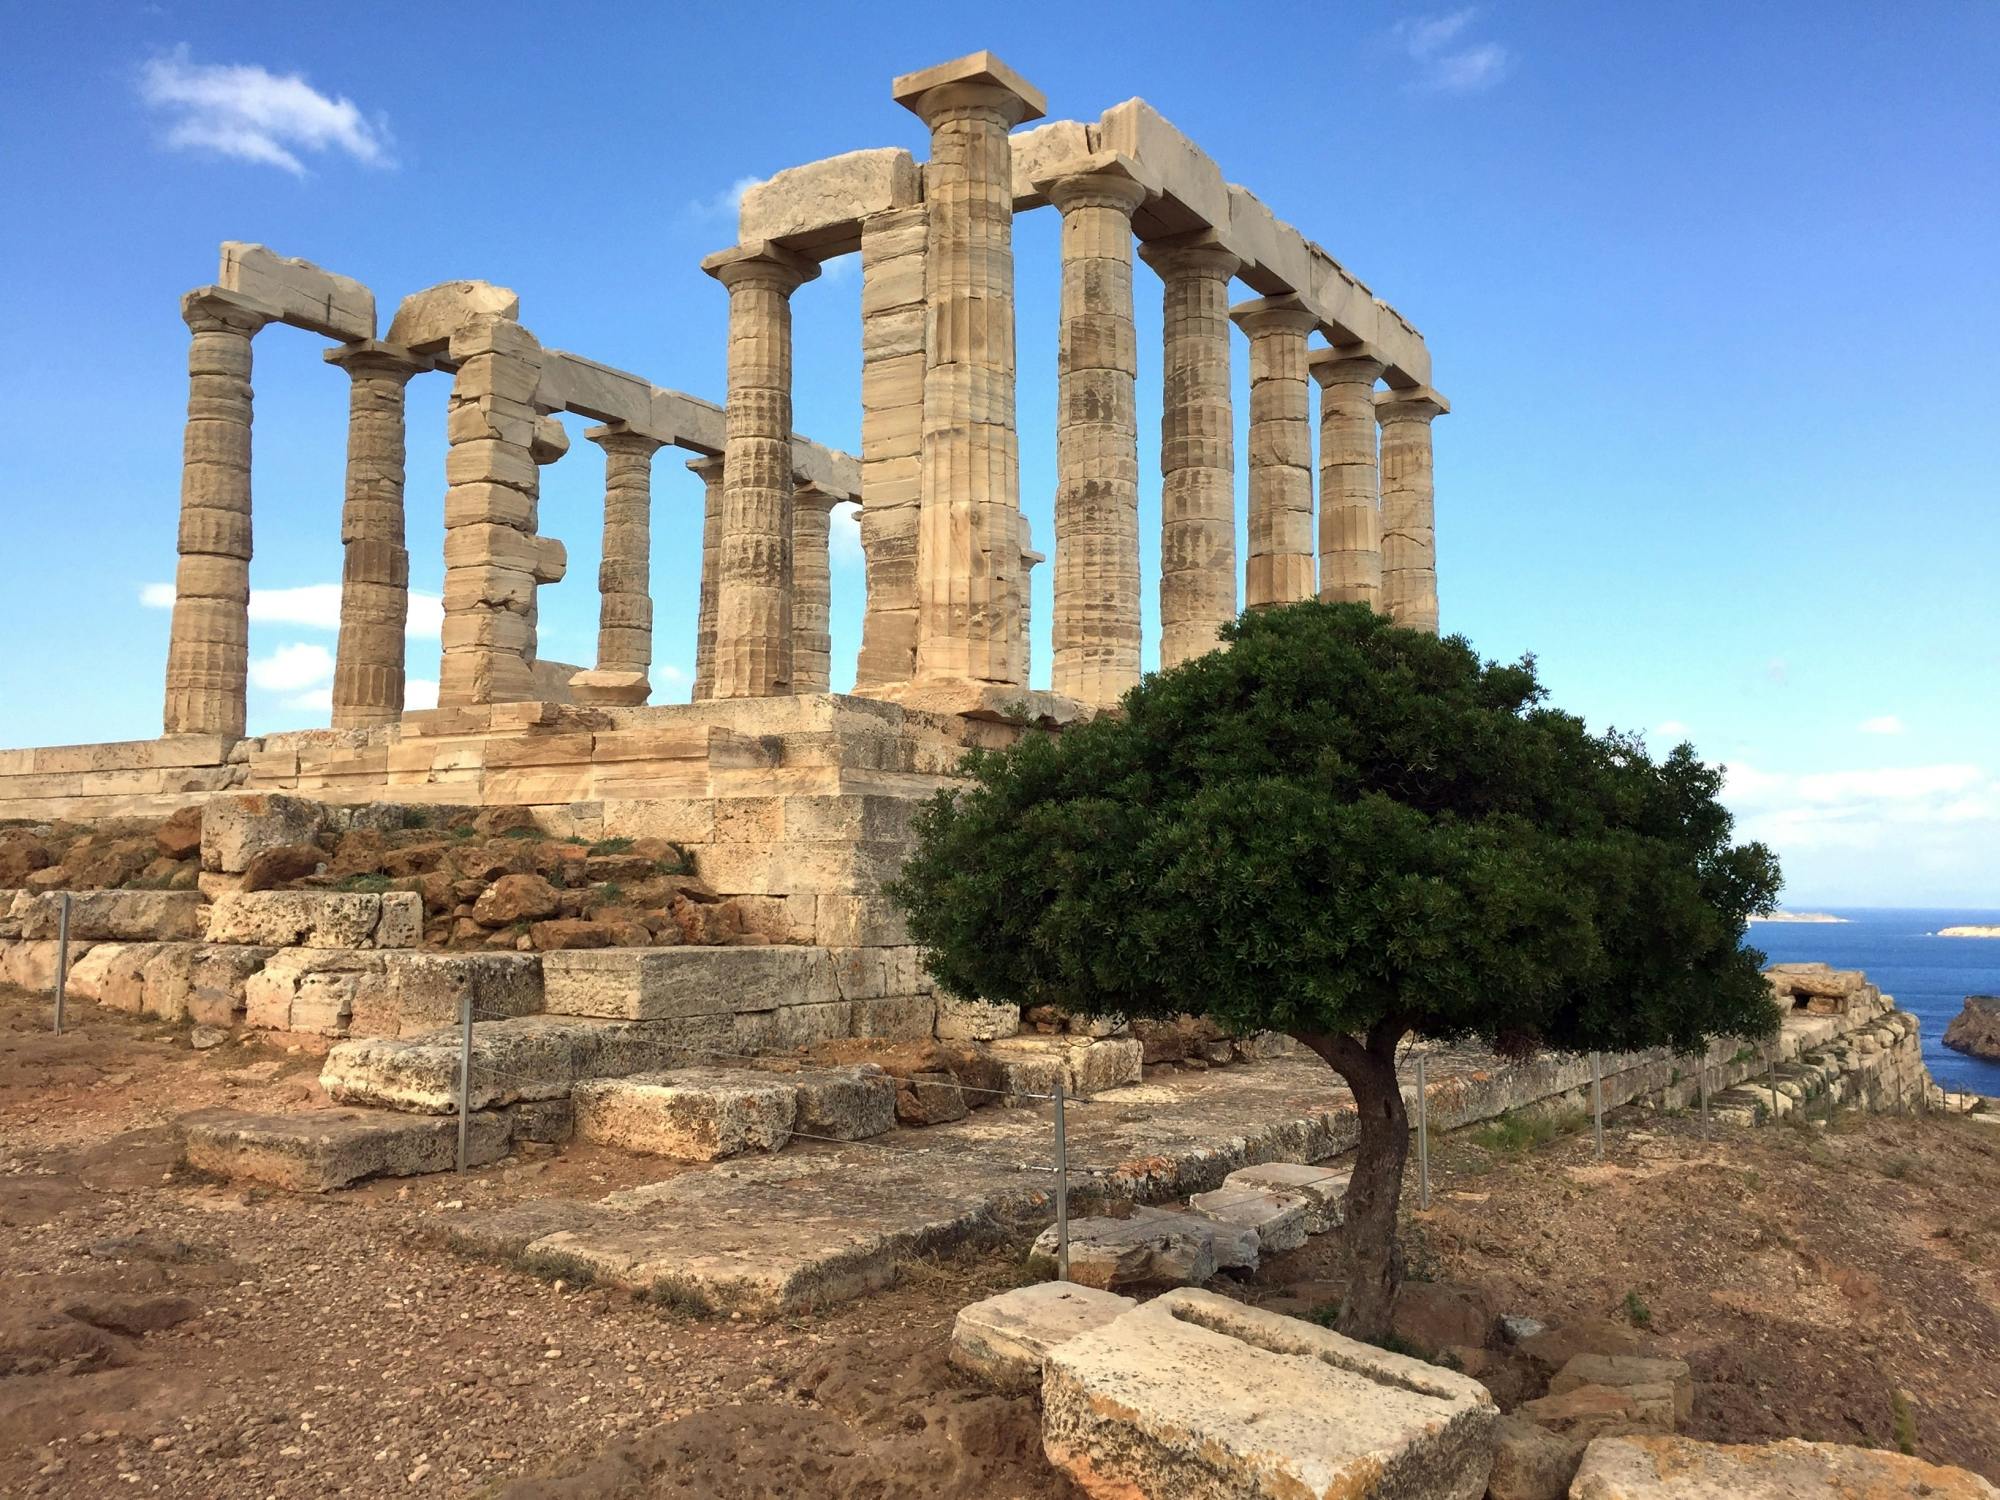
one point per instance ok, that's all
(1373, 1259)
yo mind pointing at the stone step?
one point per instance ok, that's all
(706, 1114)
(332, 1148)
(522, 1058)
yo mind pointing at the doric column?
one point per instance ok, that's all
(375, 566)
(1096, 626)
(1279, 569)
(812, 590)
(624, 571)
(892, 428)
(208, 644)
(1350, 508)
(710, 470)
(753, 603)
(1409, 535)
(1197, 447)
(968, 554)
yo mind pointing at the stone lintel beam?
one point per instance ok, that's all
(427, 320)
(299, 292)
(816, 209)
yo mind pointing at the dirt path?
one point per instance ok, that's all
(166, 1336)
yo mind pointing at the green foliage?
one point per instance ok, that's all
(522, 833)
(1636, 1312)
(1336, 825)
(1903, 1421)
(373, 884)
(611, 846)
(611, 893)
(1517, 1134)
(676, 863)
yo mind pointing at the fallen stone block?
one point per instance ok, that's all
(1086, 1065)
(314, 990)
(1673, 1468)
(1530, 1462)
(930, 1099)
(1145, 1250)
(203, 982)
(427, 991)
(844, 1104)
(1001, 1341)
(237, 828)
(318, 919)
(330, 1148)
(693, 1114)
(1629, 1370)
(1323, 1189)
(1278, 1220)
(110, 916)
(1196, 1395)
(673, 983)
(1588, 1411)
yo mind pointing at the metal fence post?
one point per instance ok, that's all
(1597, 1103)
(62, 955)
(1423, 1139)
(1701, 1072)
(464, 1076)
(1771, 1062)
(1062, 1188)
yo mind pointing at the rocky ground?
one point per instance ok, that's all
(164, 1336)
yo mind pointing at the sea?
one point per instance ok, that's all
(1930, 976)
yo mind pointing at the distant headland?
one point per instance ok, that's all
(1979, 932)
(1800, 916)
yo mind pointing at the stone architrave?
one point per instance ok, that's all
(753, 614)
(1096, 628)
(892, 424)
(368, 673)
(710, 472)
(1197, 446)
(493, 559)
(624, 571)
(1409, 522)
(208, 644)
(969, 586)
(1279, 569)
(812, 589)
(1350, 505)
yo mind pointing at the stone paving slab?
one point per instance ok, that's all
(331, 1148)
(1669, 1468)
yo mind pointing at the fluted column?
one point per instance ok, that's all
(812, 590)
(1409, 535)
(710, 470)
(970, 589)
(208, 642)
(624, 572)
(1096, 626)
(368, 670)
(892, 435)
(1279, 569)
(1350, 508)
(1197, 447)
(753, 603)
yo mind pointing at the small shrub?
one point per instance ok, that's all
(370, 884)
(1903, 1422)
(1745, 1054)
(522, 833)
(1517, 1134)
(463, 831)
(611, 893)
(1636, 1312)
(678, 862)
(1898, 1167)
(612, 846)
(676, 1296)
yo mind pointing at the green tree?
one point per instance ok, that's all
(1352, 833)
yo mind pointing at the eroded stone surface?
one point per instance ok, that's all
(1671, 1468)
(1143, 1250)
(1001, 1340)
(532, 1057)
(318, 919)
(685, 983)
(1323, 1188)
(331, 1148)
(690, 1114)
(1277, 1219)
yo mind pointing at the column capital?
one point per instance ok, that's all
(1182, 253)
(211, 309)
(620, 437)
(979, 80)
(1285, 314)
(1417, 404)
(1347, 364)
(373, 357)
(1103, 179)
(708, 467)
(809, 493)
(761, 263)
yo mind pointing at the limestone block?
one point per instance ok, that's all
(572, 383)
(690, 1114)
(315, 990)
(89, 973)
(1585, 1411)
(425, 321)
(318, 919)
(325, 1149)
(676, 983)
(817, 208)
(975, 1020)
(1143, 1250)
(1045, 152)
(300, 292)
(615, 689)
(110, 916)
(32, 965)
(1193, 197)
(1278, 1220)
(427, 991)
(1530, 1462)
(1001, 1341)
(896, 1018)
(1323, 1189)
(1193, 1394)
(790, 1027)
(121, 984)
(1671, 1468)
(1629, 1370)
(238, 827)
(1087, 1066)
(207, 983)
(1273, 253)
(844, 1104)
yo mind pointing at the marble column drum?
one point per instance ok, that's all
(1279, 569)
(1409, 534)
(753, 604)
(1350, 546)
(709, 470)
(208, 645)
(368, 660)
(812, 590)
(1197, 447)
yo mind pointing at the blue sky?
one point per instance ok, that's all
(1711, 288)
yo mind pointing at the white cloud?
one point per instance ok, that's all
(843, 532)
(723, 205)
(1672, 729)
(420, 692)
(252, 114)
(668, 672)
(1882, 724)
(319, 699)
(315, 606)
(293, 669)
(1443, 65)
